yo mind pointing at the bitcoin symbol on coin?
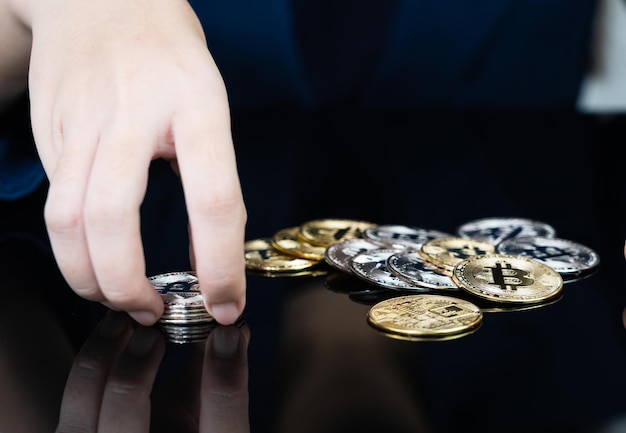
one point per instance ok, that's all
(176, 287)
(509, 278)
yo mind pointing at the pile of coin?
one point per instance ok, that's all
(300, 250)
(416, 278)
(185, 319)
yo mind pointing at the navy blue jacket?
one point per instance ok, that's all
(494, 54)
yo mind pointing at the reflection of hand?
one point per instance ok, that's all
(111, 387)
(225, 382)
(114, 85)
(216, 403)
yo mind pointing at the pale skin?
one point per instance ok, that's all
(115, 84)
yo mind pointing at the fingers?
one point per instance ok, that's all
(116, 123)
(217, 214)
(112, 222)
(224, 392)
(64, 217)
(92, 215)
(109, 385)
(126, 400)
(82, 398)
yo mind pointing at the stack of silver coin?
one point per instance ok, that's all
(184, 319)
(183, 301)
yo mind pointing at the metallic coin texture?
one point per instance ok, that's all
(178, 289)
(182, 299)
(325, 232)
(262, 256)
(401, 236)
(425, 315)
(312, 272)
(489, 306)
(566, 257)
(497, 230)
(286, 241)
(430, 338)
(371, 266)
(177, 334)
(340, 254)
(507, 278)
(410, 266)
(445, 253)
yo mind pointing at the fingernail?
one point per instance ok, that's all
(225, 314)
(146, 318)
(226, 341)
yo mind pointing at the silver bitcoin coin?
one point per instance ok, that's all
(410, 266)
(371, 266)
(497, 230)
(401, 236)
(568, 258)
(182, 299)
(340, 254)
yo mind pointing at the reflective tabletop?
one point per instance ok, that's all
(303, 357)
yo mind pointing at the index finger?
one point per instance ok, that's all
(216, 210)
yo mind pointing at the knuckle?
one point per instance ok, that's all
(62, 218)
(121, 297)
(220, 207)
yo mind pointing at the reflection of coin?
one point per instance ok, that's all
(371, 298)
(262, 256)
(186, 334)
(371, 265)
(314, 271)
(445, 253)
(287, 242)
(399, 236)
(507, 278)
(340, 254)
(430, 338)
(325, 232)
(410, 266)
(489, 306)
(341, 282)
(570, 259)
(496, 230)
(425, 315)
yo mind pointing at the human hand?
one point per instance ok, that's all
(114, 85)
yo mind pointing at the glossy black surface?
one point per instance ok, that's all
(304, 359)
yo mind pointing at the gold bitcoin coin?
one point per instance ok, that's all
(262, 256)
(314, 271)
(425, 315)
(286, 241)
(325, 232)
(508, 278)
(446, 253)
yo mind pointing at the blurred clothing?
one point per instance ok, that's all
(391, 54)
